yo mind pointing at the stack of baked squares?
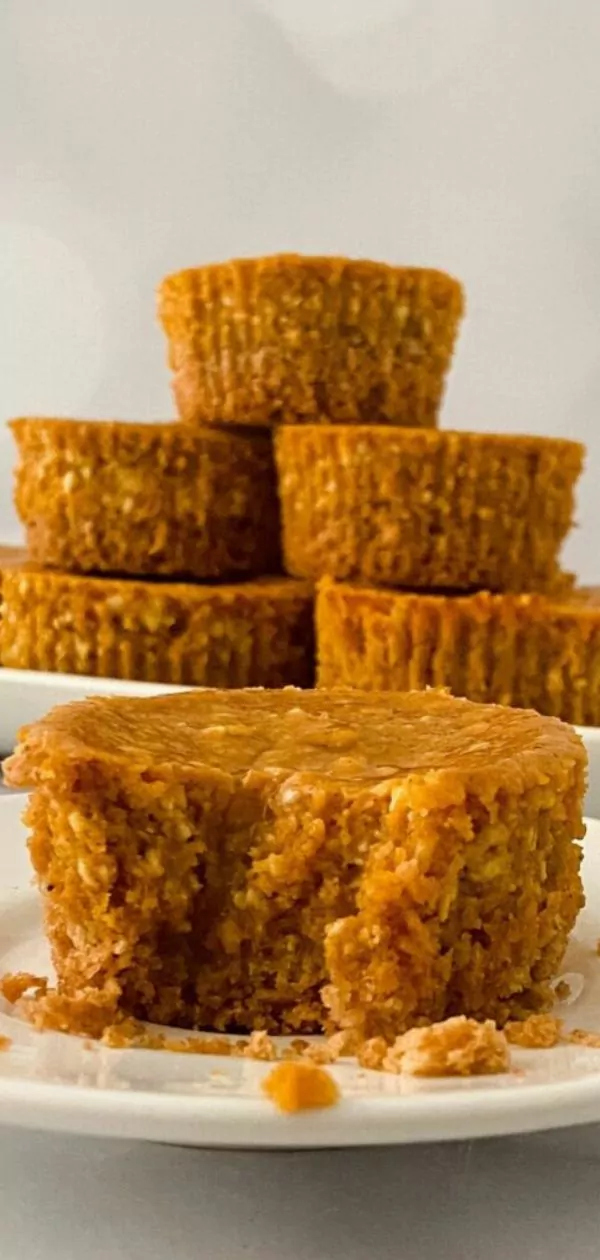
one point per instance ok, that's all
(308, 387)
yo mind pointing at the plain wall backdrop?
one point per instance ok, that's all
(139, 136)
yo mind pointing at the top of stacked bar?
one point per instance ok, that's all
(293, 339)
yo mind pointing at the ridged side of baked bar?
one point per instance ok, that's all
(425, 509)
(521, 650)
(252, 635)
(295, 339)
(151, 499)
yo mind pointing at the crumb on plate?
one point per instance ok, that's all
(260, 1046)
(5, 1043)
(538, 1032)
(371, 1053)
(562, 990)
(15, 985)
(300, 1086)
(579, 1037)
(453, 1047)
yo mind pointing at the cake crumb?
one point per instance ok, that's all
(295, 1050)
(538, 1032)
(562, 990)
(123, 1034)
(598, 946)
(319, 1052)
(5, 1043)
(372, 1053)
(454, 1047)
(15, 985)
(300, 1086)
(87, 1014)
(260, 1046)
(219, 1046)
(344, 1043)
(579, 1037)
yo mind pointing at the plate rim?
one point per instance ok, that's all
(43, 679)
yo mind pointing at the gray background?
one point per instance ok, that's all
(138, 137)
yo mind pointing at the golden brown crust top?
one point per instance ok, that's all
(580, 602)
(323, 265)
(85, 585)
(352, 737)
(62, 430)
(416, 441)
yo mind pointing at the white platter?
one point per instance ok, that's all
(26, 695)
(591, 739)
(53, 1082)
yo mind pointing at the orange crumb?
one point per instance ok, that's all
(538, 1032)
(319, 1052)
(87, 1014)
(197, 1045)
(133, 1035)
(299, 1086)
(5, 1043)
(580, 1037)
(260, 1046)
(54, 1013)
(14, 986)
(454, 1047)
(123, 1034)
(562, 990)
(344, 1043)
(372, 1053)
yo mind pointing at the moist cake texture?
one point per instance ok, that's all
(139, 499)
(400, 507)
(284, 860)
(291, 338)
(524, 650)
(257, 633)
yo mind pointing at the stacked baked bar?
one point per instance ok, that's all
(315, 382)
(444, 550)
(147, 550)
(148, 544)
(436, 554)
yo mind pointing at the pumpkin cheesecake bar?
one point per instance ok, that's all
(287, 859)
(157, 499)
(291, 338)
(530, 651)
(251, 634)
(425, 508)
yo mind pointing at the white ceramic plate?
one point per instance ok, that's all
(26, 695)
(591, 738)
(51, 1081)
